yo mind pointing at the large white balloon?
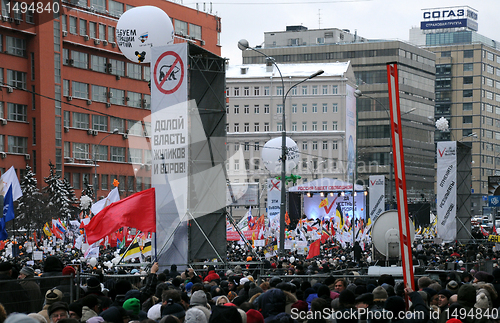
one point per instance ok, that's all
(271, 155)
(141, 28)
(92, 261)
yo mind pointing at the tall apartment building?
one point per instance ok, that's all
(368, 59)
(65, 87)
(467, 89)
(315, 118)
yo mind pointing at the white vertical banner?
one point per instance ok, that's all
(350, 132)
(446, 202)
(376, 189)
(169, 143)
(273, 201)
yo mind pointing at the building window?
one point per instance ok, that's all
(104, 182)
(256, 127)
(236, 164)
(117, 96)
(135, 156)
(266, 126)
(335, 108)
(467, 119)
(294, 126)
(134, 99)
(256, 146)
(335, 145)
(80, 90)
(468, 67)
(17, 145)
(325, 107)
(99, 93)
(246, 91)
(446, 53)
(468, 53)
(83, 27)
(102, 32)
(236, 109)
(16, 46)
(325, 145)
(266, 90)
(118, 154)
(80, 60)
(99, 122)
(304, 145)
(294, 108)
(314, 108)
(467, 93)
(468, 79)
(256, 109)
(334, 125)
(181, 27)
(294, 91)
(315, 126)
(246, 146)
(111, 34)
(324, 126)
(335, 89)
(315, 145)
(256, 90)
(467, 106)
(246, 109)
(72, 24)
(80, 120)
(236, 146)
(236, 127)
(135, 127)
(117, 67)
(246, 127)
(98, 63)
(325, 89)
(17, 112)
(279, 109)
(304, 126)
(134, 71)
(304, 108)
(236, 91)
(266, 109)
(16, 79)
(279, 90)
(92, 29)
(279, 126)
(304, 89)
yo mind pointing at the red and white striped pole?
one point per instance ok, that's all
(399, 170)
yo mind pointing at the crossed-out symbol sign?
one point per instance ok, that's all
(168, 72)
(274, 185)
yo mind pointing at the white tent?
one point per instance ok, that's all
(325, 185)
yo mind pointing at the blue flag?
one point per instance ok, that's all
(8, 213)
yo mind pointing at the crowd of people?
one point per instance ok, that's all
(293, 288)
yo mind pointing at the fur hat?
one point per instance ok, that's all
(28, 271)
(53, 295)
(481, 301)
(452, 286)
(379, 294)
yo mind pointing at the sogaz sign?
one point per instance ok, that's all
(450, 17)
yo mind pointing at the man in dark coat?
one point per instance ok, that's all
(12, 295)
(31, 287)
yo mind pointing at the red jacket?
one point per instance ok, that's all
(211, 276)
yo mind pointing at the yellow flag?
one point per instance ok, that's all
(323, 203)
(46, 230)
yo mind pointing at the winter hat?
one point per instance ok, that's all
(154, 313)
(483, 276)
(238, 270)
(20, 318)
(96, 319)
(199, 298)
(57, 306)
(28, 271)
(188, 287)
(452, 286)
(254, 290)
(225, 314)
(347, 297)
(68, 270)
(195, 315)
(114, 314)
(395, 304)
(430, 292)
(379, 294)
(301, 306)
(39, 317)
(254, 316)
(205, 310)
(481, 301)
(5, 266)
(446, 293)
(132, 304)
(53, 295)
(366, 298)
(467, 295)
(93, 285)
(174, 309)
(243, 315)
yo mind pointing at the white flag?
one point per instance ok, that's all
(10, 178)
(113, 196)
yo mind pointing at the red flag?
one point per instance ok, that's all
(495, 230)
(287, 218)
(136, 211)
(314, 249)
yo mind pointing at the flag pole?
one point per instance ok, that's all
(138, 232)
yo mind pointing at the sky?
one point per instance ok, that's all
(373, 19)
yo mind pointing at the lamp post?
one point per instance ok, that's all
(243, 45)
(95, 162)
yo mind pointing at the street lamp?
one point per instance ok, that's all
(243, 45)
(95, 162)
